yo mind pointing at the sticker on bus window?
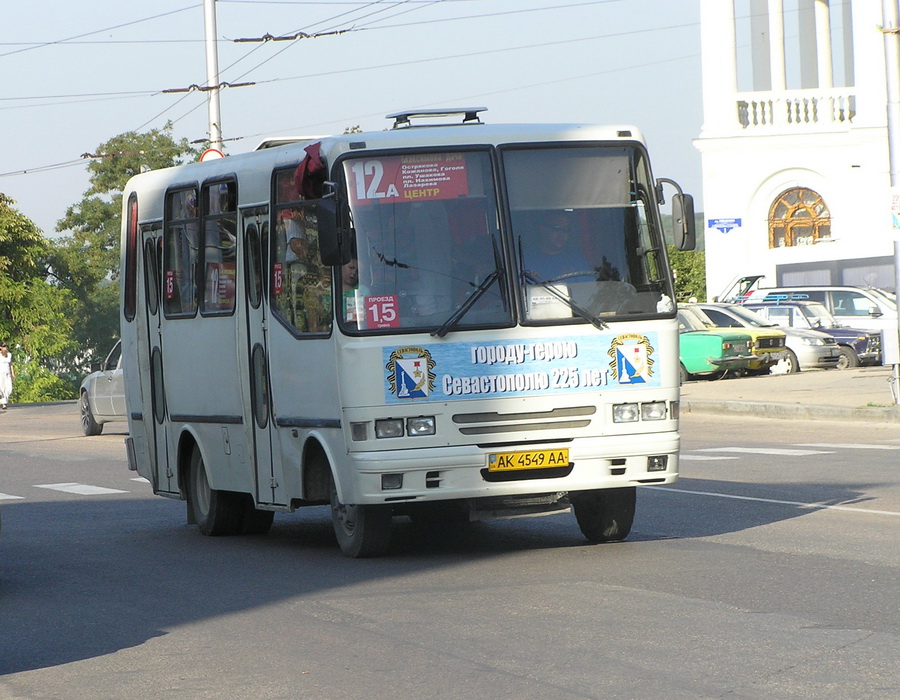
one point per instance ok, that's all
(170, 284)
(382, 312)
(220, 284)
(278, 278)
(415, 177)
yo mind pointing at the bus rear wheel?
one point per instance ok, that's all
(361, 530)
(215, 512)
(605, 515)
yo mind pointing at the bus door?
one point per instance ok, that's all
(155, 417)
(255, 377)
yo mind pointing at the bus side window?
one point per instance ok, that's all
(219, 252)
(181, 237)
(301, 290)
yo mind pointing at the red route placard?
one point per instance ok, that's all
(409, 178)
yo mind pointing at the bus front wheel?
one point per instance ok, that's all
(361, 530)
(215, 512)
(605, 515)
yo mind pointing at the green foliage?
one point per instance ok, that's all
(35, 383)
(59, 299)
(689, 267)
(34, 314)
(86, 262)
(22, 247)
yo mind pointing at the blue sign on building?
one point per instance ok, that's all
(724, 225)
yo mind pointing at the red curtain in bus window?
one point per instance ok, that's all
(131, 252)
(310, 174)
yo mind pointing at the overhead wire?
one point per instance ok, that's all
(270, 58)
(405, 6)
(98, 31)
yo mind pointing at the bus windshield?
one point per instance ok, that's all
(429, 249)
(427, 242)
(587, 244)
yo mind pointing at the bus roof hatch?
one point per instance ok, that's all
(402, 119)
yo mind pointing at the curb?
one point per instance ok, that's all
(753, 409)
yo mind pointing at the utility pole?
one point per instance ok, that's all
(212, 75)
(890, 27)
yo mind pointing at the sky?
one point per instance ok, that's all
(76, 74)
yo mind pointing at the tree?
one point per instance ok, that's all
(34, 316)
(86, 263)
(689, 267)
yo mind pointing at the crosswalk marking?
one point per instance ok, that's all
(80, 489)
(782, 452)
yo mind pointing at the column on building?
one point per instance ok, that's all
(777, 68)
(717, 41)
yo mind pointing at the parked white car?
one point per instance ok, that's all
(102, 396)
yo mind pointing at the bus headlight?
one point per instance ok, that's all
(633, 412)
(398, 427)
(625, 413)
(420, 425)
(656, 410)
(389, 428)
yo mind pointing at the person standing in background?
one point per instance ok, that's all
(7, 374)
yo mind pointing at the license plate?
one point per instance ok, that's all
(535, 459)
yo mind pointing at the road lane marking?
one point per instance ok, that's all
(8, 497)
(780, 452)
(811, 506)
(848, 446)
(80, 489)
(706, 458)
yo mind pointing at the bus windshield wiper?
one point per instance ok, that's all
(466, 305)
(565, 299)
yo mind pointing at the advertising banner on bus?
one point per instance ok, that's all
(454, 371)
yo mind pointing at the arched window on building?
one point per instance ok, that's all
(798, 217)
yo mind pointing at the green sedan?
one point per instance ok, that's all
(707, 352)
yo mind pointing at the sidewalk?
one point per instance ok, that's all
(862, 394)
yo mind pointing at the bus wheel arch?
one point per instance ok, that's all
(214, 512)
(317, 474)
(186, 446)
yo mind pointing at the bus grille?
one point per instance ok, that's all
(490, 423)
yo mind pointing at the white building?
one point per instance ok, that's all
(794, 144)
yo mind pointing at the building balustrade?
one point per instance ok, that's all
(798, 109)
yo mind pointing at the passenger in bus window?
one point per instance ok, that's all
(553, 253)
(310, 282)
(352, 301)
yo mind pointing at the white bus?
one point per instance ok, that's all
(454, 321)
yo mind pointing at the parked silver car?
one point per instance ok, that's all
(103, 393)
(806, 349)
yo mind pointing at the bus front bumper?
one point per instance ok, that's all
(463, 472)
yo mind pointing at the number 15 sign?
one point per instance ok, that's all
(382, 312)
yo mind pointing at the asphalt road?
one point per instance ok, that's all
(770, 570)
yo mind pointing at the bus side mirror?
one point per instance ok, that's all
(683, 221)
(335, 240)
